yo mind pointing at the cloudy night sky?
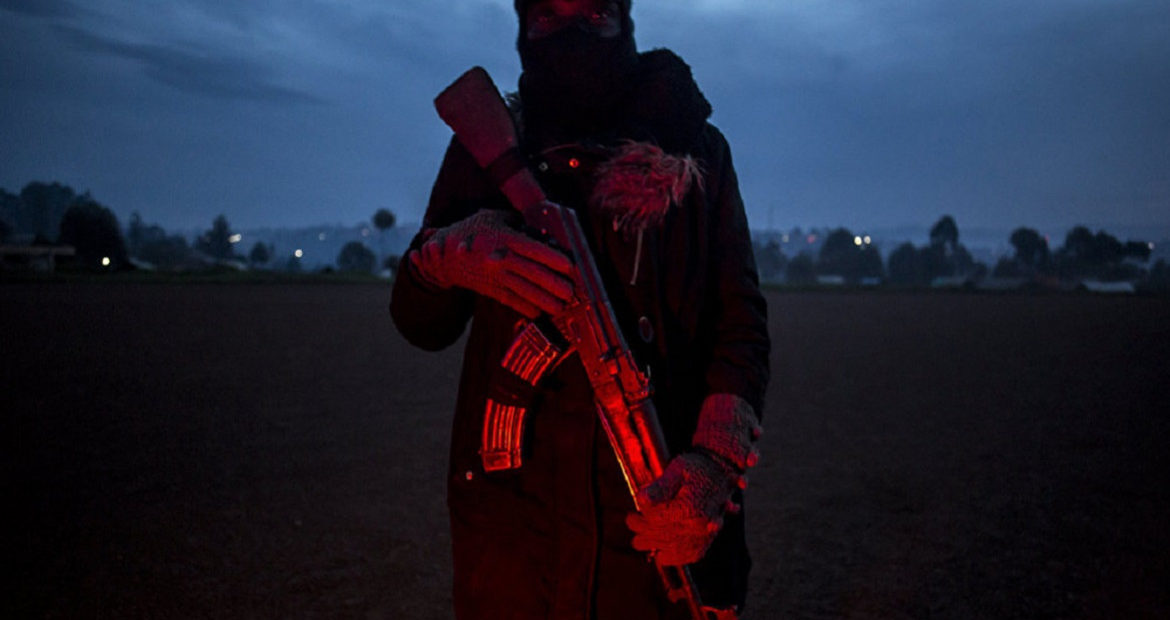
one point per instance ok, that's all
(863, 113)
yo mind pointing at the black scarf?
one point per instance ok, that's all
(660, 104)
(576, 79)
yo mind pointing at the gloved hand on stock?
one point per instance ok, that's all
(682, 511)
(484, 254)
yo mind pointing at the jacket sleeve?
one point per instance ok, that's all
(430, 318)
(738, 313)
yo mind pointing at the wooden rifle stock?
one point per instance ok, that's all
(474, 110)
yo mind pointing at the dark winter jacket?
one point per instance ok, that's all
(549, 538)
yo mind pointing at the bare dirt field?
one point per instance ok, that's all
(277, 451)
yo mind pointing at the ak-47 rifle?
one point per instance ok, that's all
(473, 108)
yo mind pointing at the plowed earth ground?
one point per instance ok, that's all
(278, 451)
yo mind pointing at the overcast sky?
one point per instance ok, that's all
(863, 113)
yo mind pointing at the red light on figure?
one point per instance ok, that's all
(574, 163)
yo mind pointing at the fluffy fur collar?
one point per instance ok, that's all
(638, 185)
(650, 168)
(651, 171)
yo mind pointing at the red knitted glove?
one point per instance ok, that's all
(682, 510)
(484, 254)
(728, 428)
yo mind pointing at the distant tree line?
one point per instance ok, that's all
(851, 259)
(53, 213)
(1084, 255)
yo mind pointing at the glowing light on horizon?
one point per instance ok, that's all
(236, 238)
(298, 253)
(105, 261)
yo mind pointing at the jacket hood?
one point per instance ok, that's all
(664, 107)
(667, 106)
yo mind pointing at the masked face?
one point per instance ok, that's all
(578, 56)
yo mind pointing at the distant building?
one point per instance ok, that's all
(42, 258)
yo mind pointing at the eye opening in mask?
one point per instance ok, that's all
(543, 20)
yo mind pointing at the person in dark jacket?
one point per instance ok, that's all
(622, 138)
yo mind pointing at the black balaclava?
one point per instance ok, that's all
(575, 80)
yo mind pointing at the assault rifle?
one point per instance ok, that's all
(473, 108)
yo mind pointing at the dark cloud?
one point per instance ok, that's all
(855, 112)
(1002, 111)
(196, 72)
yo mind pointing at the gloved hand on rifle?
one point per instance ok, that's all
(683, 509)
(484, 254)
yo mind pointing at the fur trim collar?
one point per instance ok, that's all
(637, 186)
